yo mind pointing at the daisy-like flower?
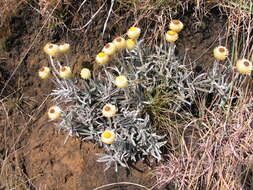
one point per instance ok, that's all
(244, 66)
(51, 49)
(102, 58)
(121, 81)
(64, 47)
(109, 110)
(220, 53)
(108, 137)
(130, 44)
(176, 25)
(120, 43)
(109, 49)
(44, 72)
(134, 32)
(65, 72)
(171, 36)
(54, 112)
(85, 73)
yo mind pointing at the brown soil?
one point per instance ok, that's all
(33, 153)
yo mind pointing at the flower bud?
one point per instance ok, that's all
(244, 66)
(54, 112)
(130, 44)
(44, 72)
(109, 49)
(65, 72)
(121, 81)
(109, 110)
(108, 137)
(85, 73)
(102, 58)
(120, 43)
(176, 25)
(171, 36)
(133, 32)
(51, 49)
(220, 53)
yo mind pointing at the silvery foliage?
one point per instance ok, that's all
(146, 69)
(164, 68)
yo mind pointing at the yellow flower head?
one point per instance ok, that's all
(108, 137)
(130, 44)
(120, 43)
(134, 33)
(64, 47)
(102, 58)
(44, 72)
(85, 73)
(54, 112)
(171, 36)
(176, 25)
(65, 72)
(51, 49)
(121, 81)
(220, 53)
(109, 49)
(109, 110)
(244, 66)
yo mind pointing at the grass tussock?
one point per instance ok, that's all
(213, 151)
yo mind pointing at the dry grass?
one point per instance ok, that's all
(213, 151)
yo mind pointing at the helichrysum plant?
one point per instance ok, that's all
(109, 107)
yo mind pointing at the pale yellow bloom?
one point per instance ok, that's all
(220, 53)
(244, 66)
(64, 47)
(109, 49)
(51, 49)
(54, 112)
(130, 44)
(134, 32)
(109, 110)
(120, 43)
(176, 25)
(85, 73)
(102, 58)
(65, 72)
(171, 36)
(108, 137)
(121, 81)
(44, 72)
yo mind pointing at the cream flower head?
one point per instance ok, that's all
(176, 25)
(171, 36)
(121, 81)
(134, 32)
(220, 53)
(51, 49)
(102, 58)
(108, 137)
(120, 43)
(54, 112)
(85, 73)
(65, 72)
(244, 66)
(109, 110)
(130, 44)
(64, 47)
(44, 72)
(109, 49)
